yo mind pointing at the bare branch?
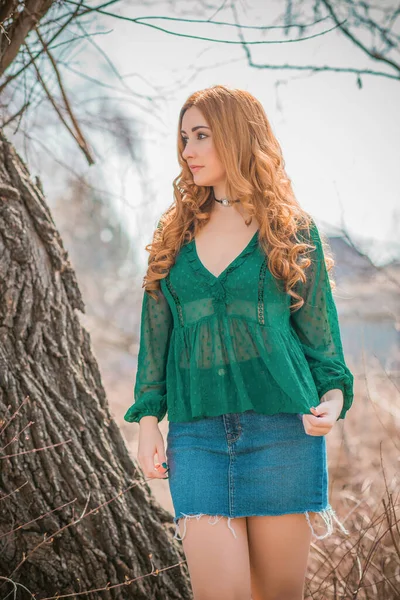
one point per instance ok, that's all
(374, 55)
(26, 20)
(77, 136)
(310, 68)
(16, 115)
(140, 21)
(56, 35)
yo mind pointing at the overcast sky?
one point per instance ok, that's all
(340, 143)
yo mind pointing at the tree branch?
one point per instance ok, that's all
(139, 21)
(78, 137)
(358, 43)
(33, 11)
(18, 73)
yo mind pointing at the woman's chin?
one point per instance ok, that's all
(201, 179)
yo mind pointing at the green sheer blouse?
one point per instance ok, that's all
(229, 343)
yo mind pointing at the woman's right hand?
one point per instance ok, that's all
(151, 442)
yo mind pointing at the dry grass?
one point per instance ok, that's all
(364, 476)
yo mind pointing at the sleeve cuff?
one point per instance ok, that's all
(155, 406)
(327, 379)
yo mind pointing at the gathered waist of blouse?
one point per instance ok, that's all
(218, 320)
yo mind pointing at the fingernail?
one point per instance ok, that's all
(165, 465)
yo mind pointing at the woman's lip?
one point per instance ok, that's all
(195, 168)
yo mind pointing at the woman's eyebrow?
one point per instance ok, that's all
(197, 127)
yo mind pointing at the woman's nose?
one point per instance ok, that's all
(187, 152)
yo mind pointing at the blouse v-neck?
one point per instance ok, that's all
(231, 265)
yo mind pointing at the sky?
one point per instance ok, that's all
(340, 143)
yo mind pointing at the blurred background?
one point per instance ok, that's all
(96, 122)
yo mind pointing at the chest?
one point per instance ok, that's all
(217, 249)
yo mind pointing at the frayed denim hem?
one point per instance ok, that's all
(217, 517)
(328, 515)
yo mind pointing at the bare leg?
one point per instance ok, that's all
(218, 562)
(278, 548)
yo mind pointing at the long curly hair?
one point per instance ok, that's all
(255, 174)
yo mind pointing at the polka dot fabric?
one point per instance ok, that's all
(213, 345)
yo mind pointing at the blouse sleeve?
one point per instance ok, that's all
(317, 326)
(150, 386)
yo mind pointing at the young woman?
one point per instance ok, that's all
(240, 344)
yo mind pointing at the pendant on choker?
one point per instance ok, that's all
(226, 202)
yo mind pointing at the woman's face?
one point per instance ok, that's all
(199, 149)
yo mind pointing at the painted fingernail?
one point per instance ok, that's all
(165, 465)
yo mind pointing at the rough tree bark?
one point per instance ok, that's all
(51, 394)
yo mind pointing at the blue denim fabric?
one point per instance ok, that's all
(248, 464)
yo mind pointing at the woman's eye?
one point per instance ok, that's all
(185, 139)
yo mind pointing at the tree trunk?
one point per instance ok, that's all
(75, 512)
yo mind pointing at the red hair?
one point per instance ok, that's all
(255, 174)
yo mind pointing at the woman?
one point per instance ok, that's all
(240, 344)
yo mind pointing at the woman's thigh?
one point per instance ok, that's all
(218, 563)
(278, 548)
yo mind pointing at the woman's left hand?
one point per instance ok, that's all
(324, 415)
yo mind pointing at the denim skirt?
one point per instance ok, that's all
(248, 464)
